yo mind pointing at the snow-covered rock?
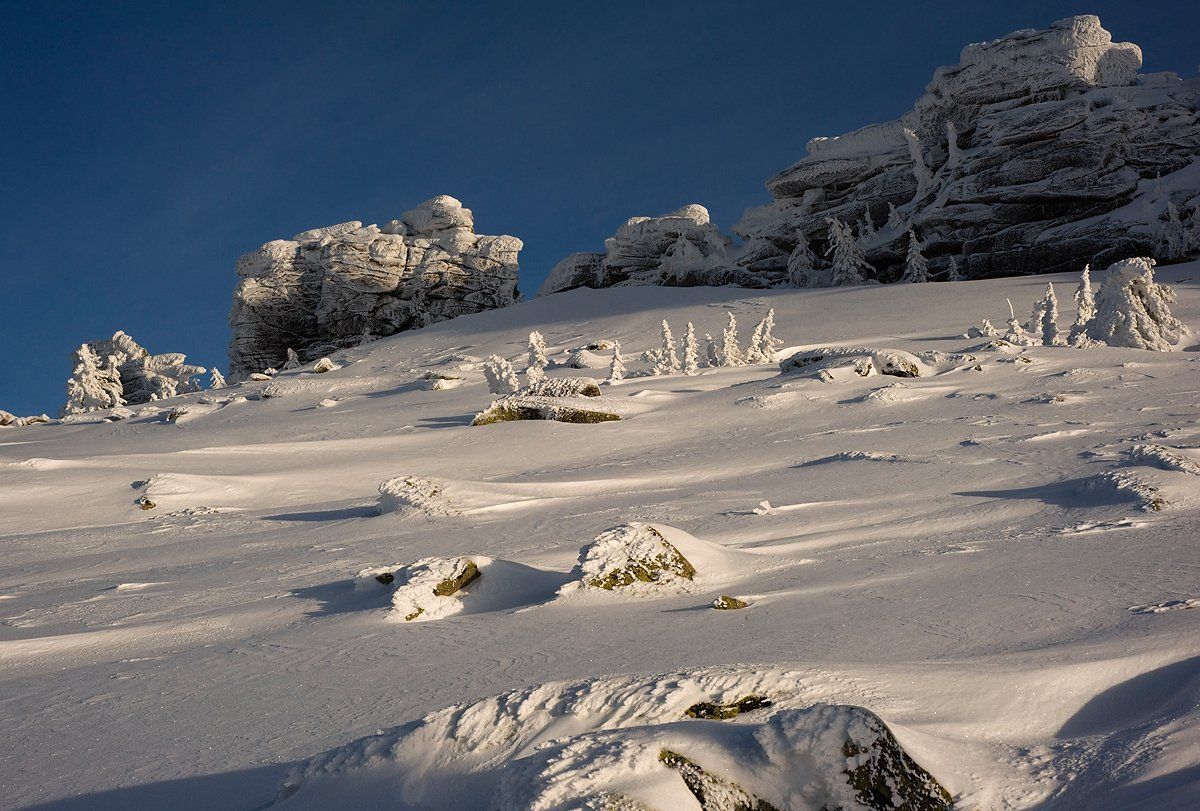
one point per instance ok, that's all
(628, 555)
(327, 287)
(563, 387)
(581, 409)
(864, 361)
(431, 588)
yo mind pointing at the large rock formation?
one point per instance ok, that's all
(324, 289)
(1038, 152)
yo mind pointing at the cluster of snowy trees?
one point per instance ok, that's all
(1130, 310)
(847, 261)
(118, 371)
(1178, 239)
(673, 356)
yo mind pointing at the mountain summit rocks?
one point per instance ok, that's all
(1036, 153)
(326, 288)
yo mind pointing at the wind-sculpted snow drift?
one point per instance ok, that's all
(326, 288)
(1036, 153)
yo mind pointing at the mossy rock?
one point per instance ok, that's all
(414, 615)
(719, 712)
(647, 570)
(884, 777)
(146, 504)
(386, 578)
(467, 573)
(502, 411)
(712, 792)
(728, 603)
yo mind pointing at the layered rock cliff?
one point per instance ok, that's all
(1036, 153)
(326, 288)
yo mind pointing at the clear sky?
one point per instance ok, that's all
(144, 146)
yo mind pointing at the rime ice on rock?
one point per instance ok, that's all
(326, 288)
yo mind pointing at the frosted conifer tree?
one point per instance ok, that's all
(730, 354)
(535, 372)
(988, 330)
(292, 362)
(801, 263)
(847, 257)
(711, 352)
(691, 352)
(1085, 307)
(953, 274)
(916, 269)
(1173, 237)
(1133, 310)
(92, 386)
(1016, 330)
(659, 365)
(753, 355)
(767, 341)
(866, 228)
(218, 379)
(669, 354)
(500, 376)
(616, 369)
(894, 220)
(1048, 324)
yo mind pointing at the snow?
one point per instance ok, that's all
(957, 556)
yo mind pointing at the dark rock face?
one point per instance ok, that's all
(1036, 153)
(326, 288)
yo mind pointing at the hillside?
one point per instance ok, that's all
(988, 558)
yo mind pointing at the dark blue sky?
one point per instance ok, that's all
(144, 146)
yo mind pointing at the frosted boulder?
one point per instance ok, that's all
(632, 555)
(563, 387)
(863, 360)
(582, 409)
(431, 589)
(325, 288)
(576, 270)
(1133, 310)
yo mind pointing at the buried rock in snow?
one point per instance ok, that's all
(563, 387)
(429, 589)
(864, 360)
(712, 792)
(413, 495)
(727, 602)
(720, 712)
(629, 555)
(522, 407)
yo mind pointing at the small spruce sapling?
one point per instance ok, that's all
(691, 352)
(292, 362)
(753, 354)
(848, 262)
(670, 356)
(1049, 322)
(801, 263)
(916, 268)
(535, 372)
(616, 369)
(768, 342)
(217, 379)
(731, 355)
(500, 376)
(953, 274)
(1085, 308)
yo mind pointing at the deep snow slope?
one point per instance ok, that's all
(968, 554)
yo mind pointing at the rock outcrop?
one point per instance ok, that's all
(1036, 153)
(326, 288)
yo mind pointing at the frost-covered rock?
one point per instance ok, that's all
(327, 287)
(118, 371)
(863, 360)
(563, 387)
(583, 409)
(1133, 310)
(413, 495)
(431, 588)
(1036, 153)
(629, 555)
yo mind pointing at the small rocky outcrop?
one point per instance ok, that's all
(563, 387)
(632, 554)
(559, 409)
(862, 361)
(327, 288)
(143, 377)
(714, 793)
(728, 602)
(709, 710)
(430, 588)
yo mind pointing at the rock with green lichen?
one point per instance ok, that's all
(146, 504)
(713, 711)
(712, 792)
(728, 603)
(528, 407)
(632, 555)
(431, 588)
(883, 776)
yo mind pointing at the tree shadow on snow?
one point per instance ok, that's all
(248, 789)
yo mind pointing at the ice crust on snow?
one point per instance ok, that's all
(327, 287)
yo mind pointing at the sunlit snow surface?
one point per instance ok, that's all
(975, 556)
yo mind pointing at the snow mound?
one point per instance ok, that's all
(1127, 485)
(865, 361)
(586, 359)
(1163, 458)
(414, 495)
(584, 744)
(893, 393)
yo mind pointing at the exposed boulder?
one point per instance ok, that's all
(429, 589)
(720, 712)
(862, 361)
(727, 602)
(581, 410)
(326, 288)
(631, 554)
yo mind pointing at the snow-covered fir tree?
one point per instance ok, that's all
(988, 329)
(1133, 310)
(866, 228)
(691, 352)
(711, 352)
(731, 355)
(292, 362)
(767, 341)
(217, 380)
(1016, 333)
(953, 274)
(801, 263)
(916, 268)
(1173, 236)
(616, 369)
(669, 352)
(657, 359)
(1046, 317)
(848, 262)
(535, 372)
(500, 375)
(753, 354)
(895, 220)
(94, 385)
(1085, 308)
